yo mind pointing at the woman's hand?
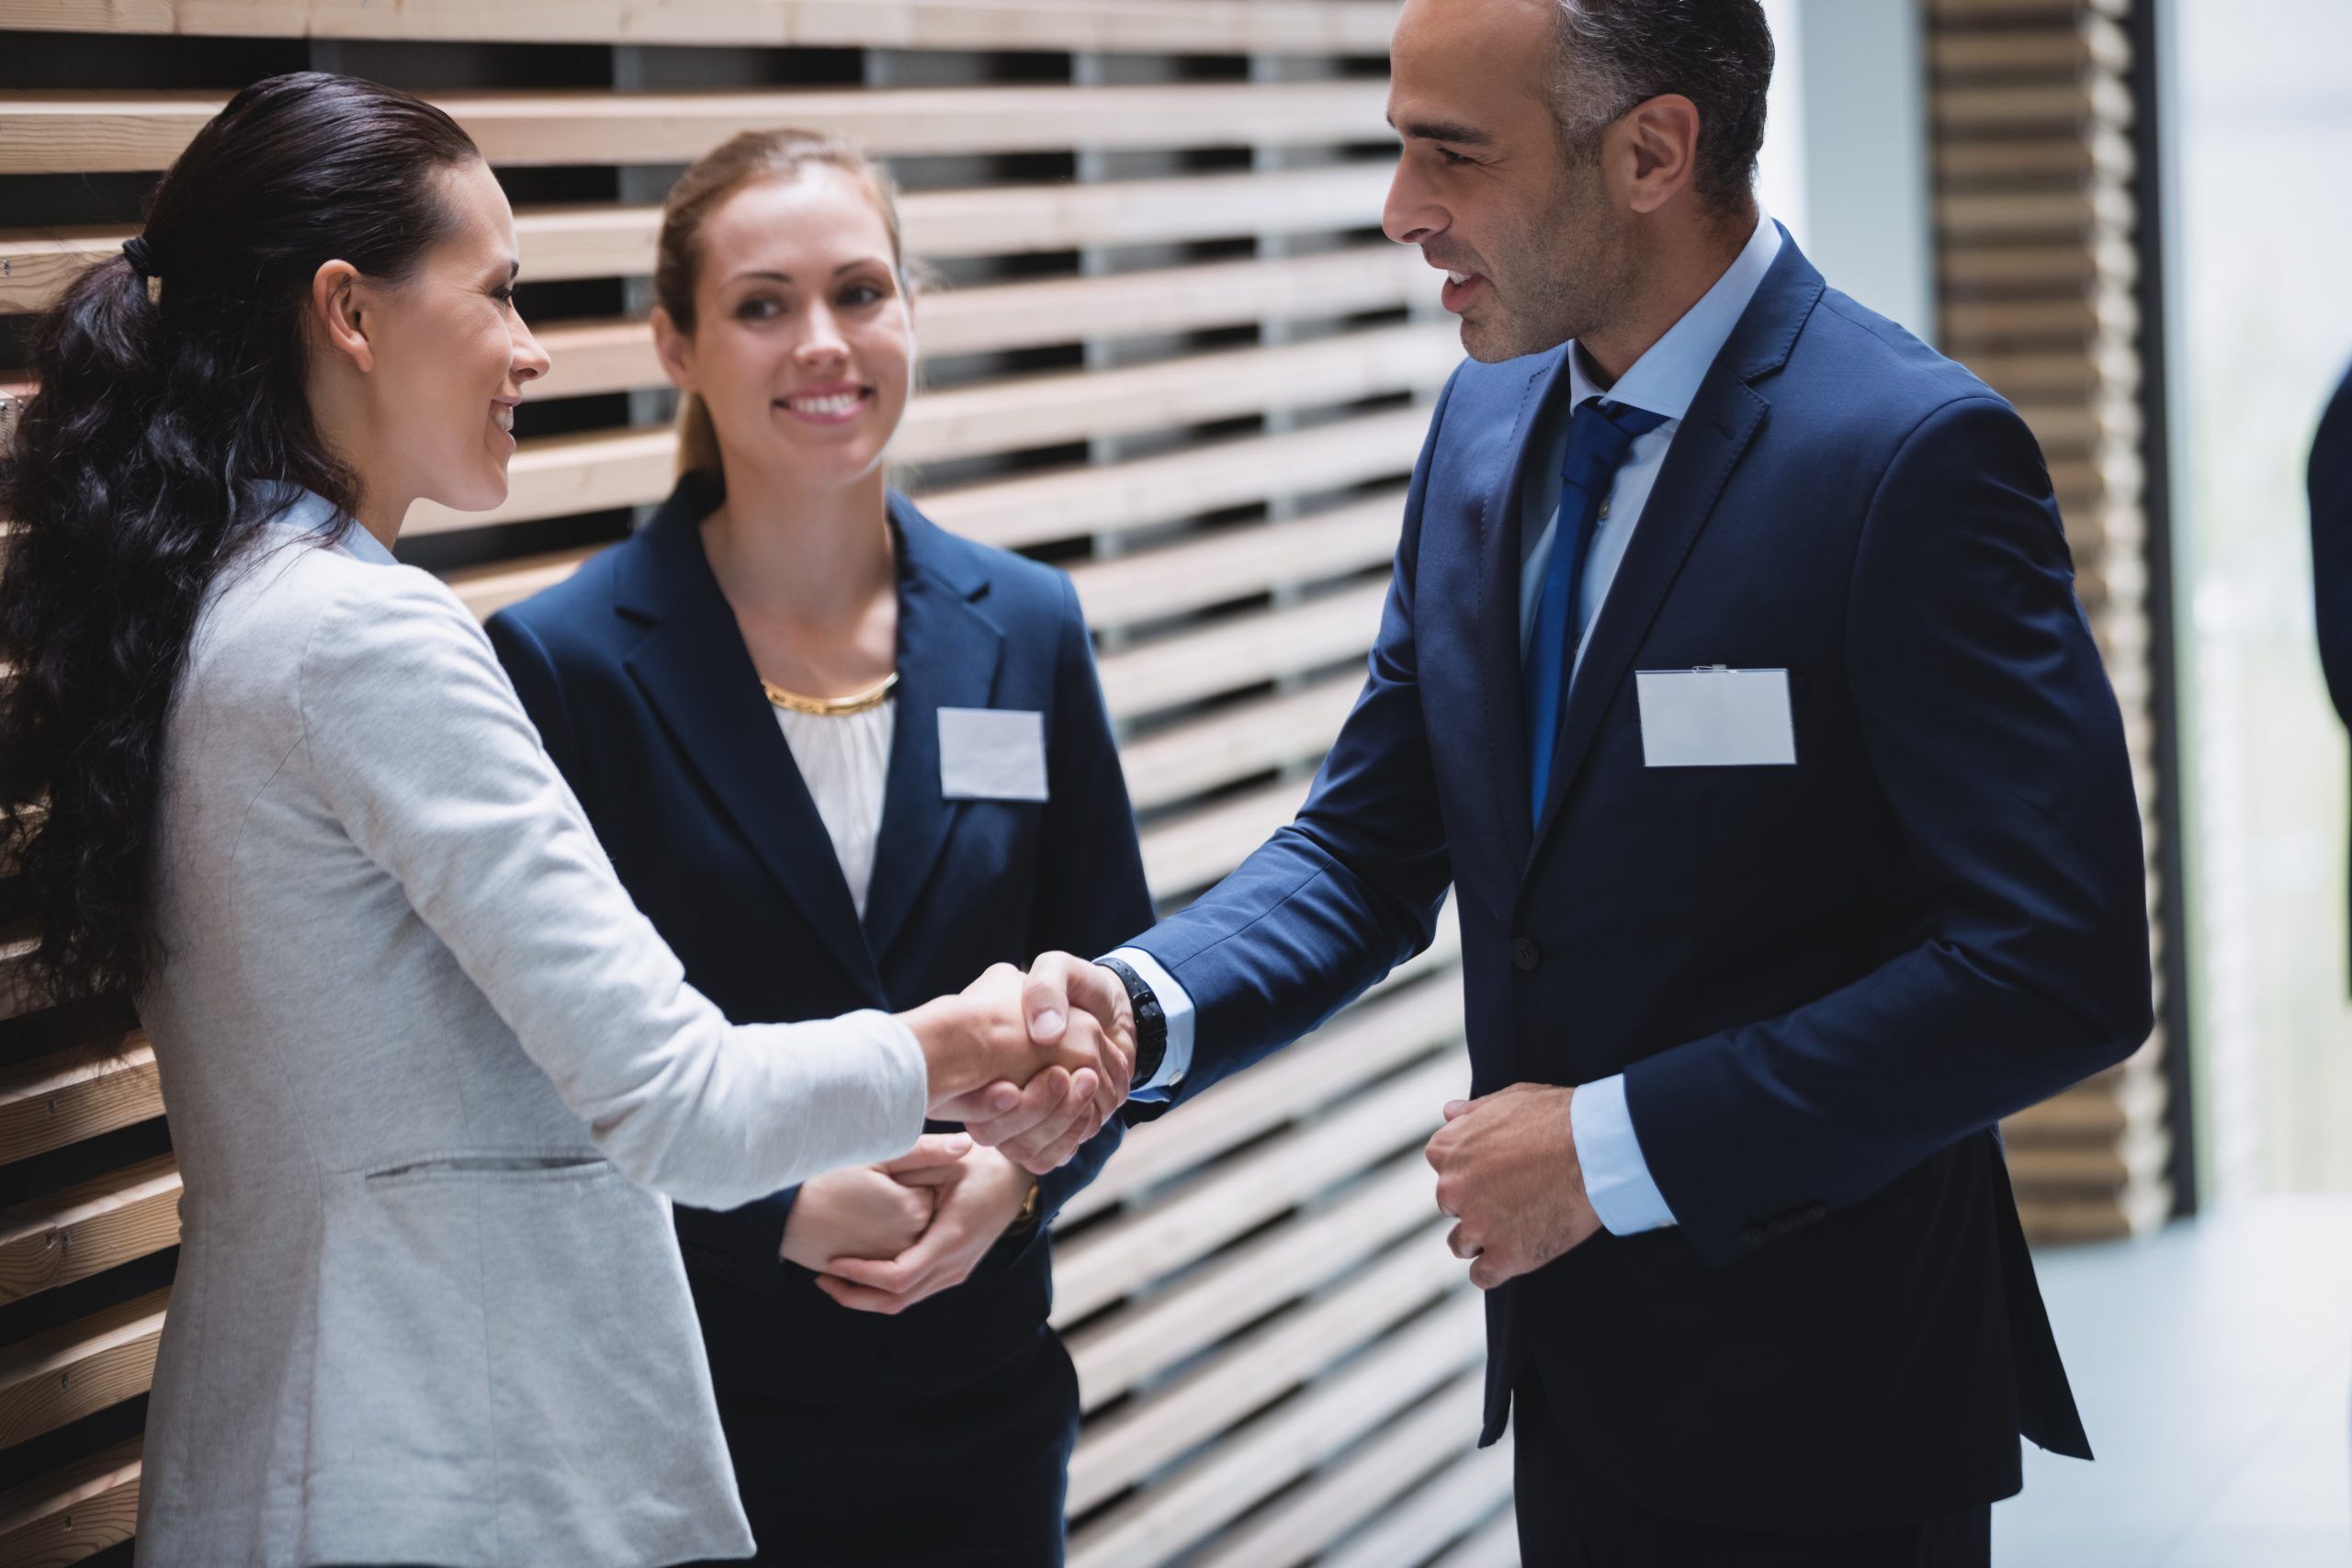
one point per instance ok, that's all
(1038, 1093)
(977, 1198)
(872, 1211)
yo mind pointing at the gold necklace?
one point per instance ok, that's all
(831, 707)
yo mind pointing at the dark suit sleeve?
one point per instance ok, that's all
(1995, 736)
(2330, 495)
(1090, 890)
(746, 1244)
(1345, 893)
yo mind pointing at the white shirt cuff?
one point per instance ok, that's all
(1616, 1178)
(1176, 1007)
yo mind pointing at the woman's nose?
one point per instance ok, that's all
(530, 361)
(824, 340)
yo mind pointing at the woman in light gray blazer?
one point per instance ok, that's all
(429, 1072)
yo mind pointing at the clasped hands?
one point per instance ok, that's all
(1030, 1077)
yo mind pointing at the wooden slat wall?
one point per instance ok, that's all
(2035, 225)
(1175, 357)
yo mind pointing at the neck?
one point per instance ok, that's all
(343, 427)
(1687, 258)
(782, 549)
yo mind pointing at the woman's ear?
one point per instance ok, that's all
(675, 350)
(340, 314)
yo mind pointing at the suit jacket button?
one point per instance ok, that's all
(1753, 1237)
(1524, 954)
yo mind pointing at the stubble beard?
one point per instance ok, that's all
(1565, 275)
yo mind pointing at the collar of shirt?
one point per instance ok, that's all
(307, 511)
(1663, 381)
(1667, 376)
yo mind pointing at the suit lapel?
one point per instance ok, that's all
(1722, 420)
(695, 671)
(947, 658)
(1500, 544)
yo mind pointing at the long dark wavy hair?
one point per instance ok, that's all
(171, 394)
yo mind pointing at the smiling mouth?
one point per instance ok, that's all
(503, 416)
(827, 407)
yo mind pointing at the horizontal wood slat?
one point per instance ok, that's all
(1241, 651)
(1383, 1474)
(1233, 742)
(1155, 1429)
(574, 242)
(1118, 1350)
(554, 476)
(72, 1095)
(617, 356)
(1468, 1490)
(83, 132)
(1369, 1041)
(1095, 1269)
(1265, 1456)
(1188, 27)
(83, 1368)
(71, 1513)
(90, 1227)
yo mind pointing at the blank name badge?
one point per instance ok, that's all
(992, 755)
(1715, 717)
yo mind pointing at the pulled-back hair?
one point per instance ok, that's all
(718, 173)
(171, 410)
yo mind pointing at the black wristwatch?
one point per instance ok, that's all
(1151, 1024)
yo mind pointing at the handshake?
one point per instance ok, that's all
(1030, 1076)
(1032, 1064)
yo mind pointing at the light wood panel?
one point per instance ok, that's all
(73, 1513)
(617, 356)
(576, 242)
(1188, 26)
(76, 1094)
(130, 132)
(559, 474)
(2037, 263)
(88, 1228)
(83, 1368)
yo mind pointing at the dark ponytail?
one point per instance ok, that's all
(171, 394)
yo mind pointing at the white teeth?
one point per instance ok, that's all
(503, 414)
(838, 403)
(1457, 276)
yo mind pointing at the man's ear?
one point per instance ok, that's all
(675, 350)
(1657, 147)
(340, 313)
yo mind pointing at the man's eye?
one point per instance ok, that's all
(1451, 158)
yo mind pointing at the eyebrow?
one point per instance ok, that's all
(1442, 130)
(787, 277)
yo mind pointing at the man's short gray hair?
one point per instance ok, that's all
(1609, 55)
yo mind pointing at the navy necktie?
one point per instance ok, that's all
(1600, 434)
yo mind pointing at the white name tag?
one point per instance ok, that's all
(1715, 717)
(992, 755)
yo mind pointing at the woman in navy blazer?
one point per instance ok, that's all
(803, 720)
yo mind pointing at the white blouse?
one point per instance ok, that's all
(846, 759)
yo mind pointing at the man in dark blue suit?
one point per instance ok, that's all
(1732, 675)
(2331, 494)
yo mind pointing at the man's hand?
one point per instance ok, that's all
(872, 1211)
(977, 1201)
(1066, 998)
(1507, 1169)
(1040, 1125)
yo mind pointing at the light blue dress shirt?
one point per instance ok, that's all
(1663, 381)
(307, 511)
